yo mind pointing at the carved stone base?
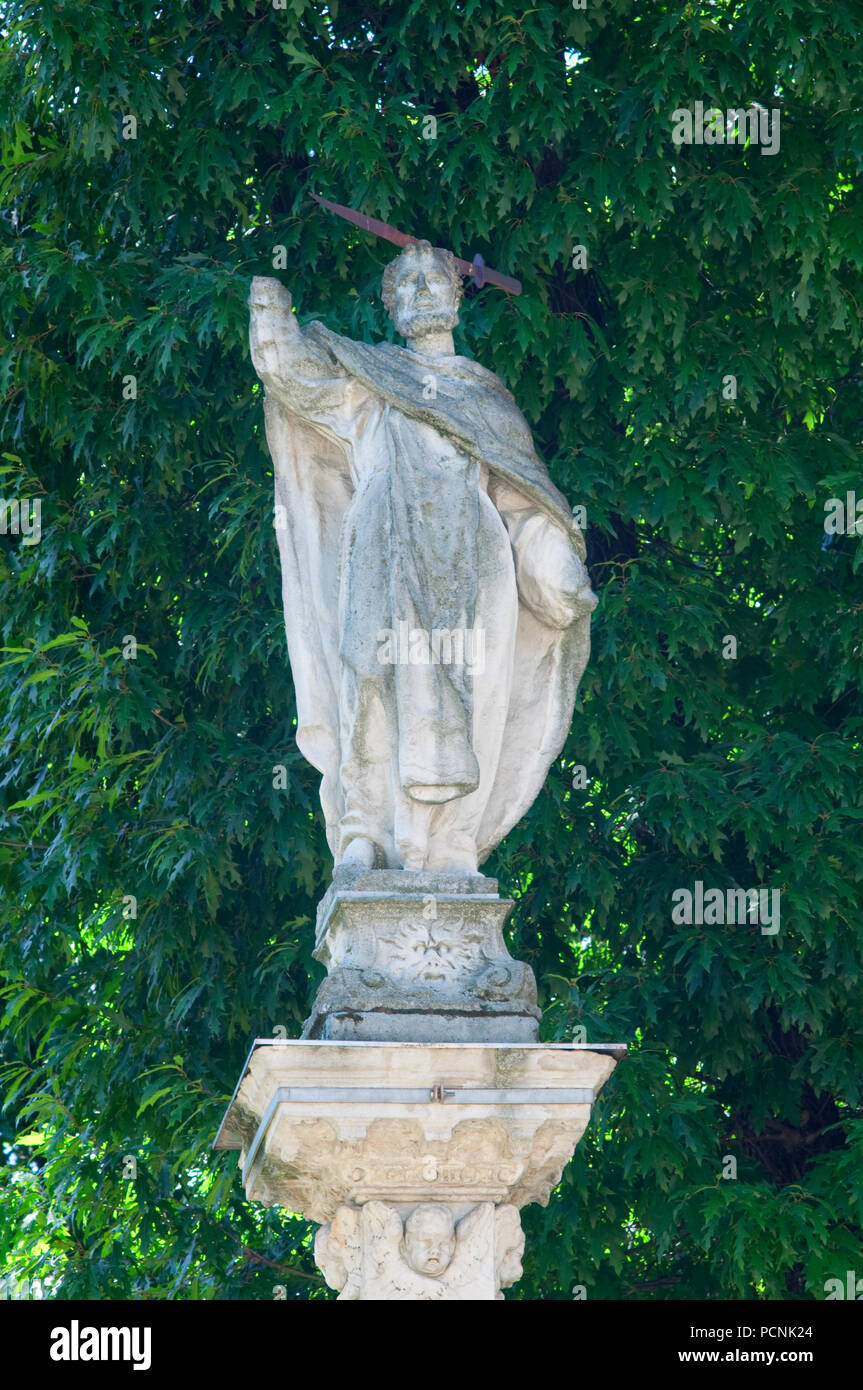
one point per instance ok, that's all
(430, 1255)
(418, 1156)
(419, 957)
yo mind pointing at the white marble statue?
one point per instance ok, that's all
(436, 602)
(368, 1253)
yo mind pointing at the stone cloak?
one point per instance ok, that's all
(315, 486)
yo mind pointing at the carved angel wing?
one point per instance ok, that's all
(339, 1253)
(383, 1227)
(508, 1247)
(471, 1263)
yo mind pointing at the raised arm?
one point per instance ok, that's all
(274, 334)
(280, 352)
(300, 375)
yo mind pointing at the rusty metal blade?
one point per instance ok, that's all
(482, 274)
(368, 224)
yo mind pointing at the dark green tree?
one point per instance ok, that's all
(693, 377)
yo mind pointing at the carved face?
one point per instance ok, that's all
(510, 1270)
(429, 1239)
(424, 296)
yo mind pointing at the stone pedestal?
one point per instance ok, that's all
(416, 1156)
(419, 957)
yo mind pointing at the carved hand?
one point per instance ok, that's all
(266, 293)
(577, 590)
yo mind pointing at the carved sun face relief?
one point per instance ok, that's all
(428, 951)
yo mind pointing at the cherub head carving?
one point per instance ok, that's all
(429, 1240)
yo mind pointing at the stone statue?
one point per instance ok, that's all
(368, 1253)
(437, 609)
(436, 600)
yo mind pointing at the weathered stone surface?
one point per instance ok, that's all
(321, 1125)
(419, 957)
(372, 1253)
(437, 610)
(437, 605)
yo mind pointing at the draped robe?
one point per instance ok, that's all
(409, 499)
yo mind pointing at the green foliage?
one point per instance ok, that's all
(152, 778)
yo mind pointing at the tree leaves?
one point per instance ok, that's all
(157, 888)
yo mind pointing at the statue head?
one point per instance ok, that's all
(429, 1239)
(422, 289)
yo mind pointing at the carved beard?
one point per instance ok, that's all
(418, 323)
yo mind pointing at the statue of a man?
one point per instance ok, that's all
(436, 602)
